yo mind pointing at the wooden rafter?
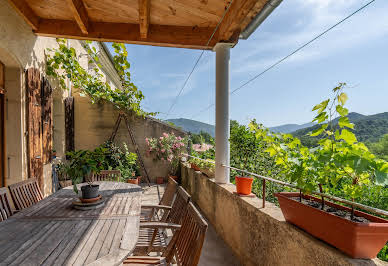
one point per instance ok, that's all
(144, 17)
(80, 14)
(160, 35)
(26, 12)
(231, 25)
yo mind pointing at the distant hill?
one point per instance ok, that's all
(367, 128)
(288, 128)
(193, 126)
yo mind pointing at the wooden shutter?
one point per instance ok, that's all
(69, 123)
(34, 124)
(47, 124)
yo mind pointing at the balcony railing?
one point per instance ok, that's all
(323, 195)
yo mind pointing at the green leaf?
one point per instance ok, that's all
(321, 117)
(342, 98)
(322, 106)
(75, 188)
(348, 136)
(318, 131)
(342, 110)
(381, 178)
(344, 122)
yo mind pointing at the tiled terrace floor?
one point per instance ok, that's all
(214, 252)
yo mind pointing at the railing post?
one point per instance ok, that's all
(222, 174)
(264, 188)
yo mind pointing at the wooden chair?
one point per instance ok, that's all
(5, 206)
(26, 193)
(185, 246)
(106, 175)
(148, 212)
(155, 239)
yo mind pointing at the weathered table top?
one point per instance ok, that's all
(53, 233)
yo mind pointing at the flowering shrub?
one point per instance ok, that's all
(168, 147)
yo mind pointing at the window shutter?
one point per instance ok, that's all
(47, 124)
(34, 125)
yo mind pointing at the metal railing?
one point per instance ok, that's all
(323, 195)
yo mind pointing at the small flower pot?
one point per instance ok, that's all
(159, 180)
(135, 181)
(90, 191)
(244, 185)
(195, 167)
(357, 239)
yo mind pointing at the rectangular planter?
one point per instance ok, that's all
(358, 240)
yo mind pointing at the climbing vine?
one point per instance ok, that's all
(63, 63)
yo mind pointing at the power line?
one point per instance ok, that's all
(199, 58)
(291, 54)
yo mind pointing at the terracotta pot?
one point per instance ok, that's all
(135, 181)
(244, 185)
(159, 180)
(358, 240)
(173, 177)
(195, 167)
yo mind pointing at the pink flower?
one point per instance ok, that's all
(161, 138)
(163, 150)
(165, 134)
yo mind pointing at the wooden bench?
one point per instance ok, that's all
(26, 193)
(5, 206)
(106, 175)
(185, 246)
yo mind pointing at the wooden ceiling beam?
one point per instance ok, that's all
(159, 35)
(26, 12)
(230, 27)
(80, 14)
(144, 17)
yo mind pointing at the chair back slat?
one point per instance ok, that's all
(186, 245)
(106, 175)
(177, 210)
(26, 193)
(5, 206)
(168, 195)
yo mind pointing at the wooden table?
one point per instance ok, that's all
(53, 233)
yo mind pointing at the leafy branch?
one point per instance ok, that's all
(62, 64)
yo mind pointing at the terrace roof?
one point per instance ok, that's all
(173, 23)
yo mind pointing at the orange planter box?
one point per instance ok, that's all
(358, 240)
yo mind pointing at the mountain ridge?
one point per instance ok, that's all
(193, 126)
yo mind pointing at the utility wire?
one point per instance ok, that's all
(199, 58)
(289, 55)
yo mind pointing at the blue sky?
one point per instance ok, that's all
(356, 52)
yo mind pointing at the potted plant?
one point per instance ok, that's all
(206, 166)
(338, 161)
(128, 167)
(160, 180)
(61, 170)
(82, 164)
(167, 148)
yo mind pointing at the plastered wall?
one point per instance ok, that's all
(94, 124)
